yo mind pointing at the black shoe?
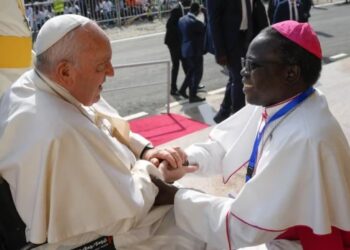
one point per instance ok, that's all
(220, 116)
(183, 94)
(200, 86)
(174, 93)
(196, 99)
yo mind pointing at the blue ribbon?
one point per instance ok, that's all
(281, 112)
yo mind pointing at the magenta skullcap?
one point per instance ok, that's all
(301, 34)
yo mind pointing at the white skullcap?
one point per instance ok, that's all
(55, 29)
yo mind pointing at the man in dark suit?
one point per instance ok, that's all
(281, 10)
(233, 25)
(192, 50)
(173, 41)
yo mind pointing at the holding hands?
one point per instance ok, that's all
(171, 174)
(171, 162)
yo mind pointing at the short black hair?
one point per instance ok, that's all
(186, 3)
(291, 53)
(195, 7)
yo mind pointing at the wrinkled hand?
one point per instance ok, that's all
(171, 174)
(222, 60)
(166, 193)
(174, 156)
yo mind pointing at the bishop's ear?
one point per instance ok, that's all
(293, 74)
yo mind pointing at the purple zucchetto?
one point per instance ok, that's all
(301, 34)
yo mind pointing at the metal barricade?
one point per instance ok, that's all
(113, 87)
(108, 13)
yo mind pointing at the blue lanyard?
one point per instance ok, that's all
(281, 112)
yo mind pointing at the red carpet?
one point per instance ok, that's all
(165, 127)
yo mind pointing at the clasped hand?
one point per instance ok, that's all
(171, 162)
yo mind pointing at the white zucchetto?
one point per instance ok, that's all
(55, 29)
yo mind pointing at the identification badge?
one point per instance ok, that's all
(102, 243)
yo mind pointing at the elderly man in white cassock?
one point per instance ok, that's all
(73, 166)
(15, 42)
(297, 191)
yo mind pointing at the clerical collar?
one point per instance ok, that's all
(58, 89)
(271, 110)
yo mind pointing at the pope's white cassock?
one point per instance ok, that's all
(74, 173)
(301, 181)
(15, 42)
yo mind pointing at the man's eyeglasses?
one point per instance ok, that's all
(249, 64)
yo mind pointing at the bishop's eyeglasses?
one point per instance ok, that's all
(250, 64)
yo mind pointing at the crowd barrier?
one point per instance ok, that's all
(108, 13)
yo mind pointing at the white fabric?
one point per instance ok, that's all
(302, 177)
(12, 23)
(244, 21)
(293, 9)
(56, 28)
(70, 179)
(182, 8)
(9, 76)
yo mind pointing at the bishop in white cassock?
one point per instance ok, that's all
(297, 191)
(72, 163)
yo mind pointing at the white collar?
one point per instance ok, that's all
(271, 110)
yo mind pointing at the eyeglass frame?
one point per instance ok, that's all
(252, 65)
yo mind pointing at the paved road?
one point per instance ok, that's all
(330, 22)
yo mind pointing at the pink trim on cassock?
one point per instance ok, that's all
(228, 178)
(228, 230)
(257, 227)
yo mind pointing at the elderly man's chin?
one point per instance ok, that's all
(98, 95)
(96, 99)
(92, 101)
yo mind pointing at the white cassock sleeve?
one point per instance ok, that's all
(211, 156)
(208, 156)
(138, 143)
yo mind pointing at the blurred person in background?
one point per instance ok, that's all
(58, 7)
(281, 10)
(192, 50)
(233, 24)
(173, 41)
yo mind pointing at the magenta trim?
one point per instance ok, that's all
(257, 227)
(228, 230)
(228, 178)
